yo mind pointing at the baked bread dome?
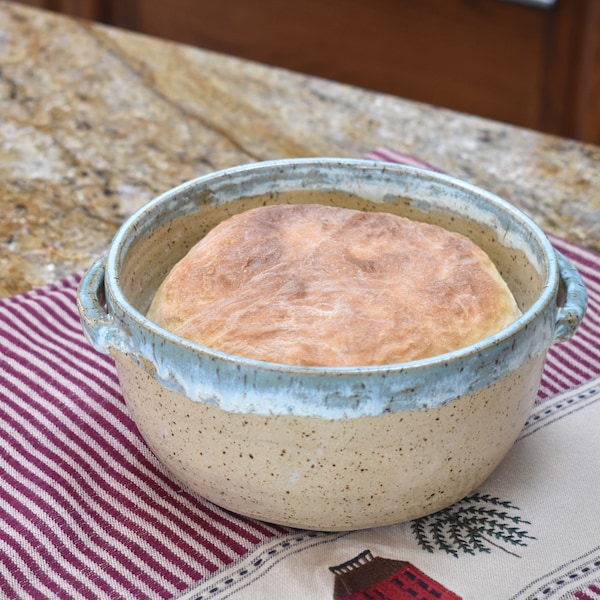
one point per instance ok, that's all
(309, 284)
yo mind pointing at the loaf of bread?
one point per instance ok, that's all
(308, 284)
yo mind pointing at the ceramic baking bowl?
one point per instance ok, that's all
(316, 447)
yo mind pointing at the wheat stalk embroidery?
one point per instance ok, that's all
(472, 525)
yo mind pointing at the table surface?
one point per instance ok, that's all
(94, 122)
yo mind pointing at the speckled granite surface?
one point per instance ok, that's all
(94, 122)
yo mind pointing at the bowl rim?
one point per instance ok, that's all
(118, 249)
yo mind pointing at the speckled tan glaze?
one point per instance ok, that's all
(332, 474)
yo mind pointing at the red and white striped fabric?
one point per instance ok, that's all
(577, 360)
(86, 511)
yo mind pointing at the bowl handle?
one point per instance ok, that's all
(98, 324)
(570, 312)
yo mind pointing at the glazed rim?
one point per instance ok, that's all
(123, 239)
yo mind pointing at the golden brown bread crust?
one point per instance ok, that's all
(308, 284)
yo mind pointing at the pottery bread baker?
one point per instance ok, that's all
(329, 448)
(307, 284)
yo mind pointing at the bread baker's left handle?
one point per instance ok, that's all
(98, 324)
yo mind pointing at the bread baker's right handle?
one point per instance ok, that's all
(570, 313)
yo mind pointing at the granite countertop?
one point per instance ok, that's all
(94, 122)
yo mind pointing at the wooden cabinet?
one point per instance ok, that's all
(506, 60)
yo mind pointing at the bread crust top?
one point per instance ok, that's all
(308, 284)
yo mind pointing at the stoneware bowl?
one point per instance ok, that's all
(328, 448)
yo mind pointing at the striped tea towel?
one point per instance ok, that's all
(86, 511)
